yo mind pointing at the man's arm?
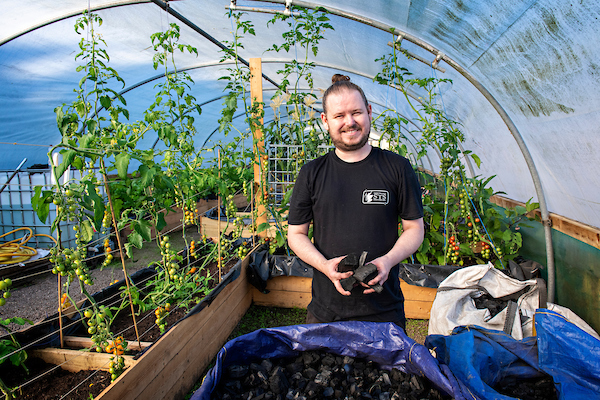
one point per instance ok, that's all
(409, 241)
(305, 249)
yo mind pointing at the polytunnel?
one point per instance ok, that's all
(519, 77)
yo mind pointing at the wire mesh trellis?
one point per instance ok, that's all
(285, 161)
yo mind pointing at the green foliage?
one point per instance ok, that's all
(10, 350)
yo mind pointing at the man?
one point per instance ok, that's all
(354, 196)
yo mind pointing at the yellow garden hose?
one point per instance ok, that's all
(15, 251)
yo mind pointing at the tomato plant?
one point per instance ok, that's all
(10, 350)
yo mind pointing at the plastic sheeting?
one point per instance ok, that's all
(482, 358)
(384, 343)
(537, 58)
(569, 354)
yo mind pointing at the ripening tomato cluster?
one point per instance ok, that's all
(108, 257)
(65, 302)
(161, 315)
(5, 289)
(190, 216)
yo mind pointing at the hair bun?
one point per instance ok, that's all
(339, 78)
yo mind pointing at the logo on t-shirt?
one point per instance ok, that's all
(371, 196)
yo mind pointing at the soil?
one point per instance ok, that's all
(53, 382)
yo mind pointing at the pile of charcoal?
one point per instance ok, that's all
(321, 375)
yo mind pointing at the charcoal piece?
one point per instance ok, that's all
(328, 360)
(237, 371)
(323, 377)
(348, 263)
(296, 366)
(384, 396)
(312, 389)
(348, 368)
(233, 386)
(310, 373)
(365, 273)
(267, 365)
(386, 379)
(416, 385)
(278, 382)
(328, 392)
(310, 357)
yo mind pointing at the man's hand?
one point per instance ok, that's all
(383, 271)
(330, 269)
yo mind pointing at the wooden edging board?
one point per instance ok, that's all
(295, 291)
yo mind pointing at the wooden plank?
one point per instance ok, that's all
(81, 342)
(290, 283)
(415, 309)
(412, 292)
(77, 360)
(585, 233)
(183, 342)
(260, 179)
(281, 298)
(293, 291)
(189, 368)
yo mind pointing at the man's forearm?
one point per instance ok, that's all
(408, 242)
(306, 250)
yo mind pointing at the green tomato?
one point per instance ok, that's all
(88, 313)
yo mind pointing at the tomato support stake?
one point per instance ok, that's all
(256, 124)
(114, 220)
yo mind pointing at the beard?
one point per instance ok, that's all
(339, 143)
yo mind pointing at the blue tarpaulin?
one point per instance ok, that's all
(570, 355)
(383, 343)
(482, 358)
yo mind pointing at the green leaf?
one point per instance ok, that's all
(160, 223)
(105, 101)
(86, 231)
(263, 227)
(122, 164)
(477, 160)
(39, 203)
(135, 239)
(144, 228)
(68, 156)
(129, 250)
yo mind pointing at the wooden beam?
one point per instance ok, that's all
(80, 342)
(260, 156)
(77, 360)
(585, 233)
(295, 291)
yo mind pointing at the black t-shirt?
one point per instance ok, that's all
(354, 208)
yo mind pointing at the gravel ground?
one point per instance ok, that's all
(39, 299)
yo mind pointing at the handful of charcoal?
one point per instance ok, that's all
(362, 273)
(321, 375)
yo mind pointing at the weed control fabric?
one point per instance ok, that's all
(384, 344)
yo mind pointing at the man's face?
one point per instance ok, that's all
(348, 120)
